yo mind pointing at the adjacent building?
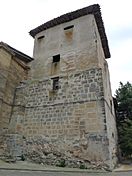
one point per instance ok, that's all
(13, 69)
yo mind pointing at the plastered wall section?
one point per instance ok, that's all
(76, 46)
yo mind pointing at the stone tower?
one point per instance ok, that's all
(65, 110)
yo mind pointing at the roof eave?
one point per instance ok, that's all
(16, 53)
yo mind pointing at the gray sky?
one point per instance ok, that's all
(18, 17)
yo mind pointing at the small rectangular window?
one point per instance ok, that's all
(55, 83)
(56, 58)
(111, 106)
(40, 37)
(68, 27)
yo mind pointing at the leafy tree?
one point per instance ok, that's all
(124, 117)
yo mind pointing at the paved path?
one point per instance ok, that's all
(43, 173)
(31, 169)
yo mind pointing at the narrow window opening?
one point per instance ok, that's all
(68, 27)
(55, 83)
(40, 37)
(111, 105)
(56, 58)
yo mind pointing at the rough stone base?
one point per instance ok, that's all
(46, 152)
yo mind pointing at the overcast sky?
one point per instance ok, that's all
(18, 17)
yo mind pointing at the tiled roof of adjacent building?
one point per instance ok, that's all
(93, 9)
(23, 57)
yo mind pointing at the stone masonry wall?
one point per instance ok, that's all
(110, 117)
(108, 101)
(70, 121)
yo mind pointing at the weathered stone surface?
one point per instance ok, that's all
(64, 122)
(63, 113)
